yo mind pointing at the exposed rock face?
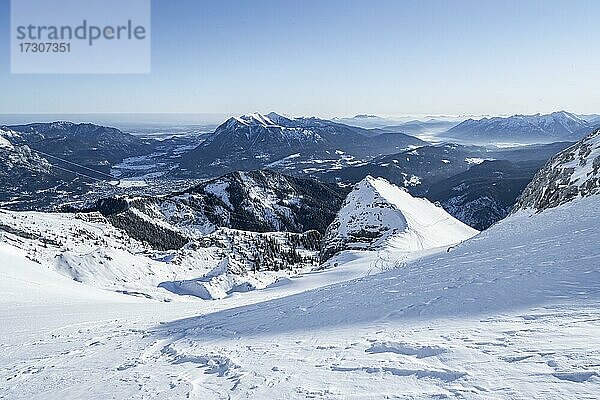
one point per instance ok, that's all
(572, 173)
(377, 214)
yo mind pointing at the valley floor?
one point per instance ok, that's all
(511, 314)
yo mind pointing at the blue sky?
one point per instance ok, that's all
(338, 57)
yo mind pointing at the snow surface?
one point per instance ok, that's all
(511, 314)
(86, 248)
(219, 189)
(24, 282)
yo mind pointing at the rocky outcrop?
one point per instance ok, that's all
(572, 173)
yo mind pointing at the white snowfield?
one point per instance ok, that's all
(512, 313)
(88, 249)
(378, 214)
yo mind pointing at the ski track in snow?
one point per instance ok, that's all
(511, 314)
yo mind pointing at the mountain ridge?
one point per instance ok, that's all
(557, 125)
(254, 141)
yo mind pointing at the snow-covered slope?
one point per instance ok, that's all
(16, 154)
(512, 313)
(88, 249)
(377, 214)
(23, 281)
(573, 173)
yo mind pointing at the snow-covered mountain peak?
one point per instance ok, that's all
(256, 141)
(257, 118)
(565, 114)
(378, 214)
(280, 119)
(572, 173)
(271, 119)
(251, 119)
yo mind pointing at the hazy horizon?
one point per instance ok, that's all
(152, 118)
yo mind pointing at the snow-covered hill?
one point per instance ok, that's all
(560, 125)
(28, 179)
(16, 154)
(377, 214)
(46, 165)
(573, 173)
(258, 201)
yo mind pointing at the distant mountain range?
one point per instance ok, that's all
(552, 127)
(408, 125)
(367, 121)
(90, 145)
(43, 163)
(255, 141)
(43, 166)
